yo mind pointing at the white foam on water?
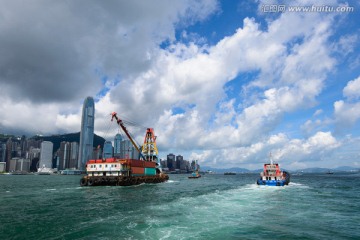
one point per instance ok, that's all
(172, 181)
(298, 185)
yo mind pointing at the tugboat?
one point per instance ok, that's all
(126, 172)
(272, 176)
(196, 173)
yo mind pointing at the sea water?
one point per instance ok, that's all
(215, 206)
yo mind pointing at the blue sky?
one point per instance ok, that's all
(222, 82)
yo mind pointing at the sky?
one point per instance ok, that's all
(223, 82)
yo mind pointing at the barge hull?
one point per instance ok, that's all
(121, 180)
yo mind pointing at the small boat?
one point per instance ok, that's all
(196, 173)
(273, 176)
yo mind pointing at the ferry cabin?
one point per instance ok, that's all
(271, 172)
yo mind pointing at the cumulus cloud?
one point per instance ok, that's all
(347, 112)
(59, 52)
(290, 153)
(352, 89)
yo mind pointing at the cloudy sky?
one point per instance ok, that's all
(224, 82)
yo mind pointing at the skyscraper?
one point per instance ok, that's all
(108, 150)
(87, 132)
(117, 145)
(46, 155)
(74, 153)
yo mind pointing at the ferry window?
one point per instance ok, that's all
(106, 165)
(100, 165)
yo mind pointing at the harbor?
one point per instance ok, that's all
(213, 207)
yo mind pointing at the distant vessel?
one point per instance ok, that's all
(126, 172)
(196, 173)
(229, 173)
(44, 171)
(273, 176)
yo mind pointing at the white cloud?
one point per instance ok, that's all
(290, 153)
(346, 114)
(352, 89)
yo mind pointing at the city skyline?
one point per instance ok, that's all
(224, 82)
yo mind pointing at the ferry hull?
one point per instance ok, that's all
(283, 182)
(271, 182)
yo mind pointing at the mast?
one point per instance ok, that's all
(271, 160)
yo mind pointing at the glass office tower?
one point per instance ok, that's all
(87, 132)
(46, 155)
(117, 145)
(108, 150)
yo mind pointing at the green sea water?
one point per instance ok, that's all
(313, 206)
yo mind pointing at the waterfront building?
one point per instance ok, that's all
(107, 150)
(2, 167)
(117, 145)
(87, 132)
(128, 151)
(63, 155)
(170, 159)
(2, 152)
(179, 160)
(34, 156)
(11, 151)
(19, 165)
(46, 156)
(74, 152)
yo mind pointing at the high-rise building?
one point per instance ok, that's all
(170, 159)
(128, 151)
(108, 150)
(19, 165)
(179, 160)
(117, 145)
(46, 155)
(2, 152)
(64, 155)
(74, 152)
(87, 132)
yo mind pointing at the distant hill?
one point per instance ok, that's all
(223, 170)
(70, 137)
(325, 170)
(306, 170)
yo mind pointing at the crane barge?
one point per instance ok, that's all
(126, 172)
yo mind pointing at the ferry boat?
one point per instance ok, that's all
(126, 172)
(273, 176)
